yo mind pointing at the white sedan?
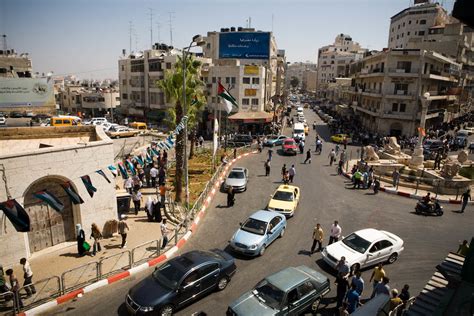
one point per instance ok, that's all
(364, 248)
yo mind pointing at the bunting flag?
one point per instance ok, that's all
(17, 215)
(131, 167)
(113, 170)
(75, 198)
(139, 160)
(103, 175)
(160, 145)
(50, 199)
(157, 153)
(123, 171)
(88, 184)
(149, 158)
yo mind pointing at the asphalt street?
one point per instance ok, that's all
(325, 197)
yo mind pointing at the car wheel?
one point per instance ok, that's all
(262, 250)
(355, 267)
(282, 232)
(393, 257)
(166, 310)
(222, 283)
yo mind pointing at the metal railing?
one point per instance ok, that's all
(114, 263)
(45, 290)
(145, 251)
(80, 276)
(8, 305)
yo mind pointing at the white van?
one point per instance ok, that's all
(298, 131)
(299, 110)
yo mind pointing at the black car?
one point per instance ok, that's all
(16, 114)
(181, 281)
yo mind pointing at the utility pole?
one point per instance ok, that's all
(151, 27)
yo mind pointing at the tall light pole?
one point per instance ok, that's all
(198, 41)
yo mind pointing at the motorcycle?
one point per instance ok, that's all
(433, 208)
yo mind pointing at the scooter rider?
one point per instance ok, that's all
(427, 200)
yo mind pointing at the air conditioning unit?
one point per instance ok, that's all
(400, 70)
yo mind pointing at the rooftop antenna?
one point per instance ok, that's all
(130, 28)
(250, 21)
(151, 27)
(4, 42)
(171, 27)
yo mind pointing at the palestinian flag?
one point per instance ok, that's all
(103, 175)
(131, 167)
(169, 140)
(113, 170)
(123, 171)
(154, 151)
(88, 184)
(139, 160)
(149, 158)
(229, 100)
(17, 215)
(50, 199)
(75, 198)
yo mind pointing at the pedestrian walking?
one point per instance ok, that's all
(405, 294)
(358, 282)
(465, 197)
(318, 236)
(336, 149)
(342, 285)
(81, 239)
(383, 287)
(3, 283)
(437, 160)
(292, 173)
(162, 191)
(353, 299)
(270, 153)
(147, 170)
(230, 196)
(28, 276)
(201, 140)
(395, 178)
(286, 177)
(308, 156)
(332, 157)
(267, 168)
(395, 299)
(377, 275)
(153, 175)
(357, 179)
(123, 231)
(96, 235)
(137, 197)
(343, 269)
(344, 142)
(156, 210)
(128, 185)
(283, 172)
(161, 175)
(336, 231)
(15, 288)
(301, 147)
(164, 233)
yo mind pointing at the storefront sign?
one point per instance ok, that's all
(251, 70)
(250, 92)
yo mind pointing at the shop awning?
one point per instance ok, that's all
(252, 117)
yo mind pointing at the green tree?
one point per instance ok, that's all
(172, 86)
(294, 82)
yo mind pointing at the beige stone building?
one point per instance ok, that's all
(298, 70)
(76, 99)
(310, 80)
(387, 87)
(33, 159)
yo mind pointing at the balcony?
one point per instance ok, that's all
(400, 95)
(369, 111)
(440, 75)
(369, 73)
(452, 94)
(397, 115)
(401, 72)
(372, 93)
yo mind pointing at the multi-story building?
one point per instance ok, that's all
(333, 60)
(415, 22)
(297, 70)
(88, 102)
(310, 79)
(387, 87)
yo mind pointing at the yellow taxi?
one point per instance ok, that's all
(285, 200)
(339, 138)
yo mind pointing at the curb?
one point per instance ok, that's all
(410, 195)
(125, 274)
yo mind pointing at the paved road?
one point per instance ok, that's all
(324, 199)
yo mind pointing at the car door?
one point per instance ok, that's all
(299, 298)
(190, 288)
(209, 274)
(386, 248)
(374, 253)
(274, 229)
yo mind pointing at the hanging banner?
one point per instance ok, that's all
(103, 175)
(131, 167)
(123, 171)
(17, 215)
(88, 184)
(75, 198)
(139, 160)
(50, 199)
(149, 159)
(113, 170)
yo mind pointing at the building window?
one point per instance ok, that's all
(208, 45)
(232, 80)
(255, 80)
(403, 107)
(123, 68)
(416, 32)
(421, 33)
(124, 82)
(393, 29)
(403, 24)
(398, 36)
(408, 33)
(398, 27)
(213, 79)
(403, 34)
(245, 101)
(168, 65)
(409, 22)
(422, 21)
(227, 80)
(254, 101)
(394, 107)
(401, 88)
(246, 80)
(391, 39)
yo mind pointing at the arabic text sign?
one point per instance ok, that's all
(25, 92)
(244, 45)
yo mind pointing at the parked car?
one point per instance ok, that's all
(291, 291)
(121, 131)
(285, 200)
(339, 138)
(29, 114)
(289, 147)
(274, 140)
(4, 114)
(107, 126)
(237, 179)
(364, 248)
(461, 138)
(3, 120)
(96, 121)
(432, 145)
(258, 232)
(181, 281)
(16, 114)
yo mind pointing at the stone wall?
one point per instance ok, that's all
(70, 162)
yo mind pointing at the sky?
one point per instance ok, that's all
(86, 37)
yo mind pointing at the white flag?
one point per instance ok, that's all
(214, 138)
(227, 106)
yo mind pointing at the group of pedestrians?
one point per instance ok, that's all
(10, 283)
(318, 236)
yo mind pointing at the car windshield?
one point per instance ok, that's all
(283, 196)
(289, 143)
(269, 294)
(169, 275)
(254, 226)
(356, 243)
(236, 175)
(298, 131)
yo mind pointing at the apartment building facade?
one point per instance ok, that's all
(88, 102)
(298, 70)
(387, 87)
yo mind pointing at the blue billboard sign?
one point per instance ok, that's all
(244, 45)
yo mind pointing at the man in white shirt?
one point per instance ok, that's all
(292, 173)
(335, 232)
(164, 233)
(28, 276)
(153, 175)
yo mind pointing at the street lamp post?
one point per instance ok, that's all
(416, 161)
(198, 41)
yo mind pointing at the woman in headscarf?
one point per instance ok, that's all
(81, 238)
(96, 235)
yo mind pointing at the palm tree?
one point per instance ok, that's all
(172, 86)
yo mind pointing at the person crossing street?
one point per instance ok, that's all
(308, 156)
(332, 157)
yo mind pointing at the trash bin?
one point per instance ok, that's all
(123, 203)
